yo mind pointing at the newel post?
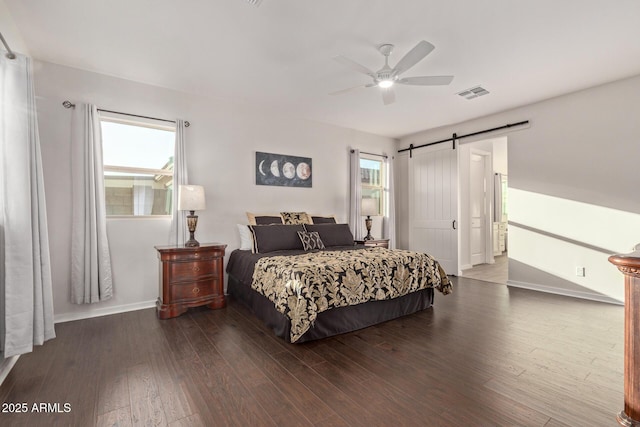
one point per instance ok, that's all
(630, 265)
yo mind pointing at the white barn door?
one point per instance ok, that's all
(433, 204)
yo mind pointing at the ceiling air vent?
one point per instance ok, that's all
(255, 3)
(474, 92)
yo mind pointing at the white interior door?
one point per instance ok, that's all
(433, 204)
(477, 206)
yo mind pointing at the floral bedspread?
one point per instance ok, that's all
(301, 286)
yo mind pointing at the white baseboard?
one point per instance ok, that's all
(562, 291)
(68, 317)
(6, 365)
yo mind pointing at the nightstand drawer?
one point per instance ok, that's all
(196, 255)
(193, 290)
(380, 243)
(190, 271)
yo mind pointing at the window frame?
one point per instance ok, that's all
(111, 117)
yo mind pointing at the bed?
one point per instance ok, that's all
(307, 282)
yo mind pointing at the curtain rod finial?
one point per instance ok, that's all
(68, 104)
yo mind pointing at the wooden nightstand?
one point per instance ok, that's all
(381, 243)
(190, 277)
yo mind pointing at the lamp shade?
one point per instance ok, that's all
(191, 198)
(369, 207)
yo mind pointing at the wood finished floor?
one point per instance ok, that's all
(498, 272)
(486, 355)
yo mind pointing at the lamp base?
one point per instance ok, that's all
(191, 243)
(367, 223)
(192, 222)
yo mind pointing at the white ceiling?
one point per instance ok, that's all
(279, 55)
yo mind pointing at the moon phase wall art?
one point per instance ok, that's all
(284, 171)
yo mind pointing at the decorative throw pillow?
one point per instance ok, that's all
(295, 218)
(275, 237)
(332, 234)
(330, 219)
(310, 240)
(263, 219)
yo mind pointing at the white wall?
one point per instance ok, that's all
(11, 34)
(582, 148)
(221, 145)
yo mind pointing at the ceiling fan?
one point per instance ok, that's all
(386, 77)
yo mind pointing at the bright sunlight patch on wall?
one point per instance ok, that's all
(558, 235)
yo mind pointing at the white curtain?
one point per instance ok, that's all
(389, 221)
(179, 233)
(26, 302)
(91, 276)
(356, 222)
(497, 197)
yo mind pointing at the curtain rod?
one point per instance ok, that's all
(371, 154)
(68, 104)
(456, 137)
(9, 53)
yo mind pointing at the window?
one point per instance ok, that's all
(372, 180)
(138, 167)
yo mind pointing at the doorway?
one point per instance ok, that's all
(483, 213)
(479, 208)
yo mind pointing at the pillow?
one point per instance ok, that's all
(275, 237)
(256, 219)
(323, 219)
(332, 234)
(295, 218)
(245, 237)
(310, 240)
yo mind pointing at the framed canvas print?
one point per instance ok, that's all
(283, 170)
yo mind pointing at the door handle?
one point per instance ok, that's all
(454, 224)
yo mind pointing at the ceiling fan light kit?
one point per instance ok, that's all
(386, 77)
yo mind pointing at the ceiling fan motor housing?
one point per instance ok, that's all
(386, 72)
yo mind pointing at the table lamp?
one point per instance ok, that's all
(191, 198)
(369, 207)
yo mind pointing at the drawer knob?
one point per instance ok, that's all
(196, 291)
(196, 268)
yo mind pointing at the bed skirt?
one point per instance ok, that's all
(331, 322)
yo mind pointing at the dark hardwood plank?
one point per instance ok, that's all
(260, 347)
(120, 417)
(263, 391)
(485, 355)
(223, 384)
(147, 411)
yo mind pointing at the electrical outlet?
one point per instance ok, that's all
(580, 271)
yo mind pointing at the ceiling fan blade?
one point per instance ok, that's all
(388, 96)
(353, 65)
(340, 92)
(414, 56)
(426, 80)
